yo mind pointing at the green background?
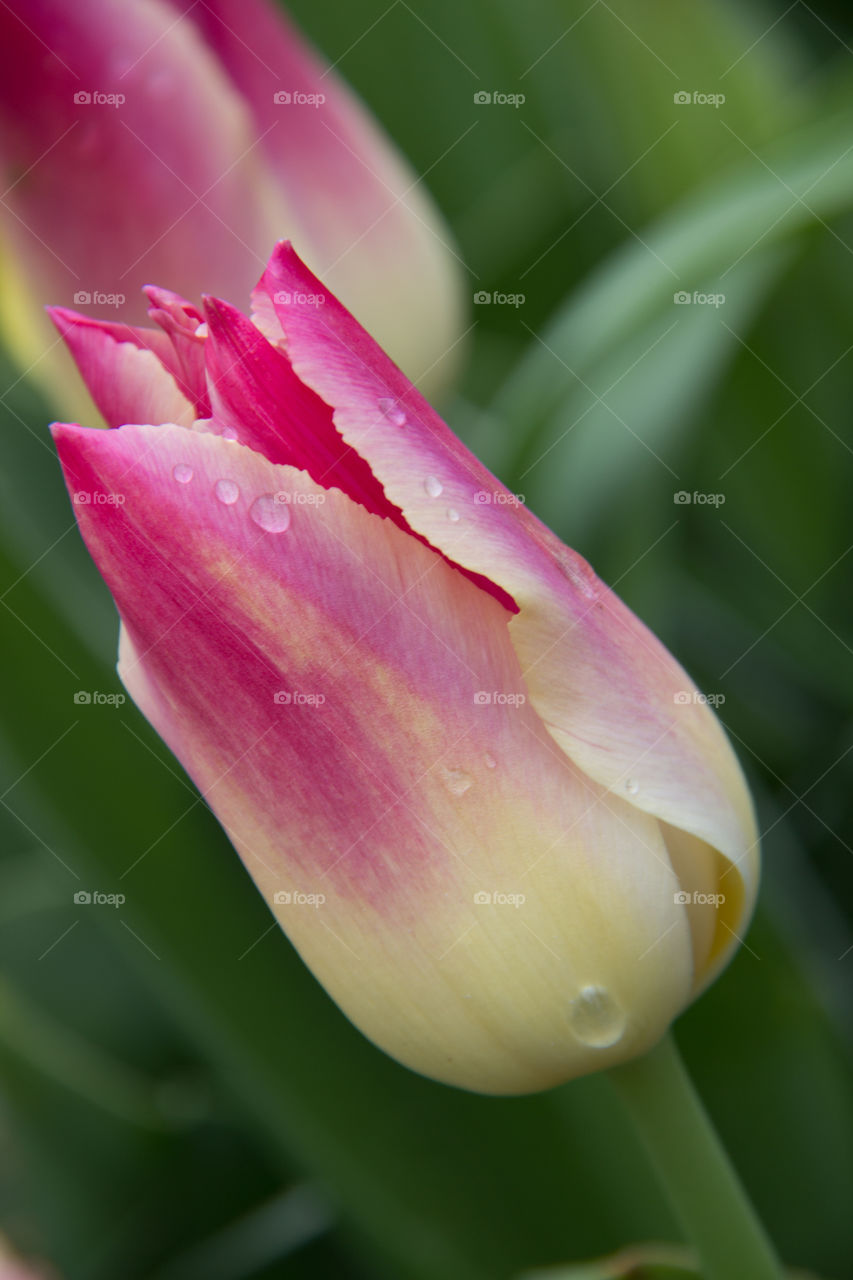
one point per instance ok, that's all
(180, 1100)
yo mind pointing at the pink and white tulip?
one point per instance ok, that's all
(143, 139)
(484, 802)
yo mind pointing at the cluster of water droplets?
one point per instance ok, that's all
(265, 511)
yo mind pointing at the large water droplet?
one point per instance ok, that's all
(269, 514)
(228, 433)
(182, 473)
(227, 492)
(433, 486)
(392, 411)
(201, 330)
(632, 786)
(457, 781)
(452, 515)
(595, 1018)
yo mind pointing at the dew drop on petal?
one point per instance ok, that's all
(228, 433)
(595, 1018)
(227, 492)
(491, 762)
(201, 330)
(632, 786)
(457, 781)
(392, 411)
(433, 486)
(182, 473)
(270, 515)
(453, 515)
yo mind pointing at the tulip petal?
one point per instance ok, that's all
(611, 695)
(125, 369)
(259, 400)
(402, 778)
(356, 209)
(184, 325)
(159, 178)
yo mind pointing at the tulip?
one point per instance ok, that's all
(487, 806)
(144, 140)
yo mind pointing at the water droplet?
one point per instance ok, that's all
(491, 762)
(433, 486)
(201, 330)
(182, 473)
(632, 786)
(392, 411)
(595, 1017)
(269, 514)
(228, 433)
(457, 781)
(227, 492)
(452, 515)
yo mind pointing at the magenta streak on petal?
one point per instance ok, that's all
(256, 394)
(221, 615)
(180, 320)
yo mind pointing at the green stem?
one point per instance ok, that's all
(701, 1184)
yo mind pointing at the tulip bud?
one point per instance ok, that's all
(138, 142)
(487, 806)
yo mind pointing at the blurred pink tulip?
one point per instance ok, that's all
(488, 807)
(179, 141)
